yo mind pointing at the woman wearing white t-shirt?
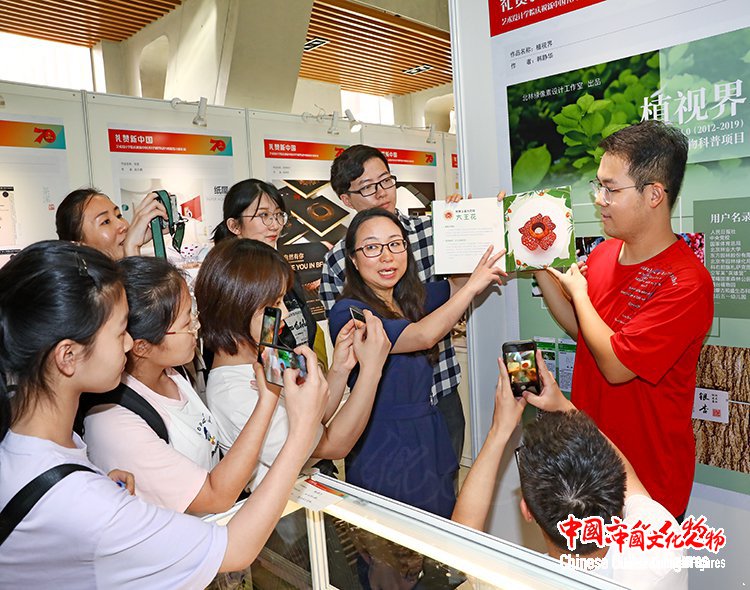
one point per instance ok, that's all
(63, 319)
(184, 474)
(238, 279)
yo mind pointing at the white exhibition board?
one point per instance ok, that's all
(295, 154)
(139, 145)
(43, 155)
(485, 67)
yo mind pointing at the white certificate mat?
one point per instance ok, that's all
(463, 231)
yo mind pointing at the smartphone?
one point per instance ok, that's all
(357, 314)
(520, 360)
(269, 330)
(276, 359)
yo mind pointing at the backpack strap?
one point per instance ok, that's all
(25, 499)
(127, 398)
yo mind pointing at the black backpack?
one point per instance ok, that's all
(127, 398)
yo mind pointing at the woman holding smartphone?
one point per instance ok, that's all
(63, 320)
(255, 210)
(405, 453)
(183, 473)
(237, 281)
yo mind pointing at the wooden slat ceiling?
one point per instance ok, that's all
(81, 22)
(369, 49)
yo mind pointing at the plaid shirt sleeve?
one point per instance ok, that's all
(447, 372)
(332, 276)
(420, 238)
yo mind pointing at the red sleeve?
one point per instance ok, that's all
(652, 342)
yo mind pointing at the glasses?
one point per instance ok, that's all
(370, 189)
(375, 250)
(267, 218)
(195, 325)
(599, 189)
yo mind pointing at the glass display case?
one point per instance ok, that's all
(364, 541)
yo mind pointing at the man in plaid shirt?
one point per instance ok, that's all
(362, 179)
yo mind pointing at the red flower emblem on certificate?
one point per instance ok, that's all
(538, 232)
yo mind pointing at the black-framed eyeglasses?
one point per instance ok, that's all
(370, 189)
(606, 192)
(267, 218)
(374, 250)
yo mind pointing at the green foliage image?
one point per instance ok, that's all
(556, 123)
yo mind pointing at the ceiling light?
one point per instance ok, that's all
(354, 125)
(417, 70)
(431, 134)
(314, 43)
(200, 117)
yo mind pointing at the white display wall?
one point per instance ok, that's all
(140, 145)
(127, 146)
(43, 153)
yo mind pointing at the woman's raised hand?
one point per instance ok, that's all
(305, 403)
(486, 272)
(371, 343)
(140, 228)
(343, 350)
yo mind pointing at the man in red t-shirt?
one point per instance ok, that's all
(639, 313)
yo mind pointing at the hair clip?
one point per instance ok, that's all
(83, 269)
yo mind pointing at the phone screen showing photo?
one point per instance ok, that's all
(270, 326)
(521, 366)
(276, 360)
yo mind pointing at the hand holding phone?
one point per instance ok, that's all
(357, 315)
(276, 359)
(520, 360)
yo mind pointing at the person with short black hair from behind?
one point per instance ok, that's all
(640, 313)
(89, 217)
(568, 467)
(362, 179)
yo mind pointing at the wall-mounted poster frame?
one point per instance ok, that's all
(140, 145)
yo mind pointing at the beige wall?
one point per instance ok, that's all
(267, 53)
(409, 109)
(198, 33)
(429, 12)
(311, 94)
(227, 51)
